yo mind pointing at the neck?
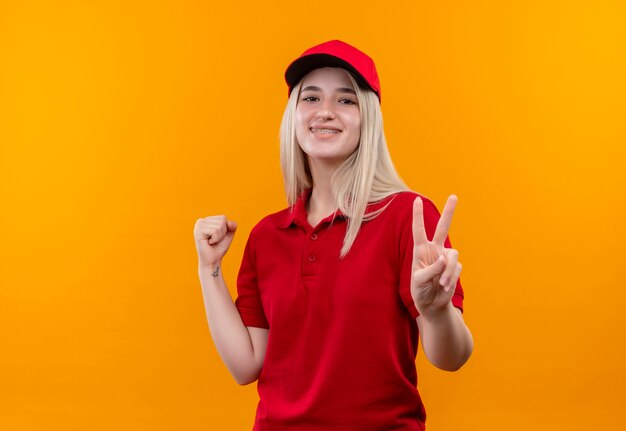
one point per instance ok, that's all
(321, 202)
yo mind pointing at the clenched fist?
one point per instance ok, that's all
(213, 237)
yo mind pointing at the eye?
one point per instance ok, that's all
(308, 98)
(347, 101)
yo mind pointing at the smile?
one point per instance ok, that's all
(325, 131)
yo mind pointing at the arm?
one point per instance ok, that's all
(241, 348)
(446, 340)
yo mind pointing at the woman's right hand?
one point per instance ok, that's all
(213, 237)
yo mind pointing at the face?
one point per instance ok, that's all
(328, 120)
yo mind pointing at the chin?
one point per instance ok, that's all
(329, 159)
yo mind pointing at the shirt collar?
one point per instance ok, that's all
(297, 213)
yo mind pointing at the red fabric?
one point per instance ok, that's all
(343, 336)
(334, 53)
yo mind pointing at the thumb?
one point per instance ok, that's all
(427, 273)
(231, 225)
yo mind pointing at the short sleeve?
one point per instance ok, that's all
(431, 218)
(248, 300)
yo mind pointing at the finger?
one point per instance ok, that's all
(419, 233)
(231, 225)
(452, 256)
(216, 233)
(454, 279)
(213, 235)
(423, 276)
(444, 221)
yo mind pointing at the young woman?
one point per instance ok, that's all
(334, 291)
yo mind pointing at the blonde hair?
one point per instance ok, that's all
(366, 176)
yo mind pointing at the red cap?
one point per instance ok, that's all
(335, 53)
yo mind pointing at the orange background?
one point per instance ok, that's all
(122, 123)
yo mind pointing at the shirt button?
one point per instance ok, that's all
(314, 236)
(312, 258)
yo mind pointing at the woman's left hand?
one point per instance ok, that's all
(436, 269)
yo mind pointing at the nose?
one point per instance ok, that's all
(324, 114)
(324, 110)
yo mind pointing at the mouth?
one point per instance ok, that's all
(324, 131)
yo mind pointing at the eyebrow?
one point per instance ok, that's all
(339, 89)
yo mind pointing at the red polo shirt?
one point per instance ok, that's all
(342, 333)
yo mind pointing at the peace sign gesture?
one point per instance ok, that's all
(435, 268)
